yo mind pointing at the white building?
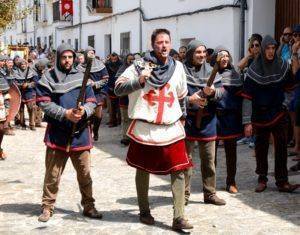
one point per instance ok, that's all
(128, 24)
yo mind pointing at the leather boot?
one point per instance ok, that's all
(92, 213)
(213, 199)
(287, 187)
(181, 224)
(232, 188)
(2, 155)
(261, 187)
(146, 218)
(45, 216)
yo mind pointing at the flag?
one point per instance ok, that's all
(67, 7)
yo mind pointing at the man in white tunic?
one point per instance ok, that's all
(156, 86)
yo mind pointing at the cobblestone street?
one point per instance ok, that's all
(21, 179)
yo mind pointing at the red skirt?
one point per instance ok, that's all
(160, 160)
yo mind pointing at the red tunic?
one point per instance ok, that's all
(160, 160)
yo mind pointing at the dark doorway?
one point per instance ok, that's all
(287, 14)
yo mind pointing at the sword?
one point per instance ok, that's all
(80, 98)
(26, 75)
(209, 83)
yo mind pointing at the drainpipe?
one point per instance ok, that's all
(34, 33)
(141, 28)
(80, 25)
(243, 8)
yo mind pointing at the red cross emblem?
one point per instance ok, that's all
(160, 96)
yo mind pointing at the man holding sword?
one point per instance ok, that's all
(203, 130)
(57, 93)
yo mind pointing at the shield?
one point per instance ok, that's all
(14, 103)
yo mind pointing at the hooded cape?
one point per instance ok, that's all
(196, 77)
(229, 75)
(57, 80)
(97, 65)
(266, 72)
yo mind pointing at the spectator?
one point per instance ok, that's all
(174, 54)
(284, 50)
(209, 52)
(182, 53)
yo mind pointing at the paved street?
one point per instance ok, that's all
(21, 179)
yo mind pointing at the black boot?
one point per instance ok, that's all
(96, 125)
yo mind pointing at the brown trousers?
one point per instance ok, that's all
(125, 122)
(208, 169)
(31, 107)
(38, 116)
(114, 111)
(55, 164)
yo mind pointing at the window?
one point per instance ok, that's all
(23, 21)
(50, 41)
(91, 41)
(125, 43)
(76, 44)
(102, 3)
(101, 6)
(107, 44)
(44, 12)
(69, 41)
(37, 10)
(56, 11)
(185, 41)
(38, 39)
(45, 42)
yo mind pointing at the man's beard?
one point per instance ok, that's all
(65, 69)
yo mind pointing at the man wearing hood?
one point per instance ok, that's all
(26, 83)
(2, 63)
(269, 75)
(4, 103)
(99, 77)
(113, 66)
(10, 75)
(79, 58)
(57, 93)
(39, 67)
(205, 134)
(156, 86)
(124, 101)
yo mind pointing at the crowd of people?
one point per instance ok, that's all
(167, 103)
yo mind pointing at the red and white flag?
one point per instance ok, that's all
(67, 7)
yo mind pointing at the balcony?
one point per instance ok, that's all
(102, 6)
(57, 16)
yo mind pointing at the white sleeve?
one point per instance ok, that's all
(182, 83)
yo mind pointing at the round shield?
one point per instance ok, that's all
(14, 103)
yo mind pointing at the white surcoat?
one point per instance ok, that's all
(156, 111)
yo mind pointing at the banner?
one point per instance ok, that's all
(66, 7)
